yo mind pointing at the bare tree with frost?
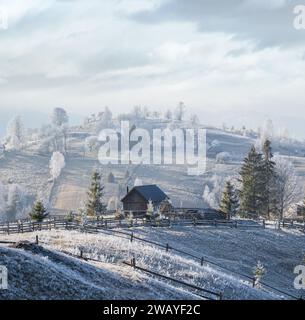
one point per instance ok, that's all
(287, 190)
(57, 163)
(15, 136)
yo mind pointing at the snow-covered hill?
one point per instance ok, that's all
(238, 250)
(30, 169)
(41, 274)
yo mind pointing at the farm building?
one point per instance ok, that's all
(136, 200)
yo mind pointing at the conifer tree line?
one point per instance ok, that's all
(259, 193)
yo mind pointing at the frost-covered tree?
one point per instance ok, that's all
(59, 117)
(266, 132)
(223, 157)
(301, 208)
(137, 112)
(91, 144)
(213, 189)
(39, 212)
(14, 201)
(3, 206)
(105, 120)
(112, 204)
(156, 114)
(286, 183)
(59, 127)
(95, 205)
(179, 111)
(168, 115)
(15, 134)
(119, 215)
(57, 163)
(229, 201)
(150, 209)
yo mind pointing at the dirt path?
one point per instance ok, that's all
(70, 191)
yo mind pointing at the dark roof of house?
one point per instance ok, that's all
(149, 192)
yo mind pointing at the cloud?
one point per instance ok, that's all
(269, 23)
(240, 57)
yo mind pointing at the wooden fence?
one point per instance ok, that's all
(100, 226)
(212, 294)
(24, 226)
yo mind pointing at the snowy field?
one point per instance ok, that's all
(234, 249)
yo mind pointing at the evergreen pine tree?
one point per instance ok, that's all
(269, 175)
(95, 206)
(38, 212)
(251, 178)
(229, 201)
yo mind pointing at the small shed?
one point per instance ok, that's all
(136, 200)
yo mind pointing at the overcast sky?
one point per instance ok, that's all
(237, 61)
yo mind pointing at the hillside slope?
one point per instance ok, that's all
(236, 250)
(40, 274)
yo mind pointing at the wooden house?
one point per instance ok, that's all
(137, 199)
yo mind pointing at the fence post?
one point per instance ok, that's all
(133, 262)
(264, 223)
(106, 224)
(81, 254)
(194, 222)
(167, 247)
(202, 261)
(21, 226)
(37, 240)
(131, 237)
